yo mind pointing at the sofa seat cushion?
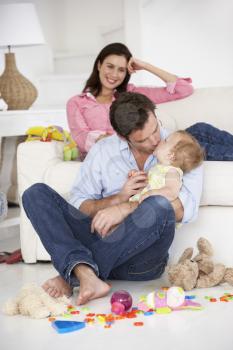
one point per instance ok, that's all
(218, 184)
(61, 176)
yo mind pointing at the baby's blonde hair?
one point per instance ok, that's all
(188, 153)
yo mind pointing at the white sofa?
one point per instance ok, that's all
(42, 162)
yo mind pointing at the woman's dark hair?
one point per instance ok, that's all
(129, 112)
(93, 83)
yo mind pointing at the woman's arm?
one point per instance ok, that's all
(135, 64)
(176, 88)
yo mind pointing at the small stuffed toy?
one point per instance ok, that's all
(54, 132)
(199, 272)
(34, 302)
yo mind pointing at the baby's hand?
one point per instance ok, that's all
(132, 173)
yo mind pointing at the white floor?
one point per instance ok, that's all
(210, 328)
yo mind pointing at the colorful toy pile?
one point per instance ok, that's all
(158, 302)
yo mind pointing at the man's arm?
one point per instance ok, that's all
(106, 220)
(190, 194)
(132, 186)
(178, 209)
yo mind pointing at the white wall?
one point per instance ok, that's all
(75, 31)
(187, 37)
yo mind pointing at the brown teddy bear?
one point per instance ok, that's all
(199, 272)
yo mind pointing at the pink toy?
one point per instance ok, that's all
(117, 308)
(121, 301)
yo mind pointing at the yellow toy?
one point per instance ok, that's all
(54, 132)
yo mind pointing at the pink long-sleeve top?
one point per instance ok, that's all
(88, 119)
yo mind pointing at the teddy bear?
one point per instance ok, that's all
(34, 302)
(200, 271)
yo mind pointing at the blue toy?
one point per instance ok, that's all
(67, 326)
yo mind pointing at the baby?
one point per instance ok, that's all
(177, 154)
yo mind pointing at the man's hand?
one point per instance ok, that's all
(133, 185)
(106, 219)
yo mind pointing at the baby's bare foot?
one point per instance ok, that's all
(57, 287)
(91, 287)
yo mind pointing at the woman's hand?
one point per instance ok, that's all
(133, 185)
(134, 64)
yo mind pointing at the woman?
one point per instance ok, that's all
(88, 113)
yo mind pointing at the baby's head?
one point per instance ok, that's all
(181, 150)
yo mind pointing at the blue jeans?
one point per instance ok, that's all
(137, 250)
(218, 144)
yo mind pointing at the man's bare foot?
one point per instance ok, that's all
(91, 287)
(57, 287)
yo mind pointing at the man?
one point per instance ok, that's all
(100, 234)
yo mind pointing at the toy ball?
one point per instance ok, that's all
(117, 308)
(122, 297)
(175, 297)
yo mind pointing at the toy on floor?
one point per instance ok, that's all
(200, 271)
(34, 302)
(54, 132)
(67, 326)
(166, 301)
(11, 258)
(121, 301)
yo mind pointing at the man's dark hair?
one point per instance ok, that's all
(129, 112)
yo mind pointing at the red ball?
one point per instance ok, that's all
(122, 297)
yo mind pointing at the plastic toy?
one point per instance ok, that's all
(121, 301)
(175, 297)
(163, 301)
(54, 132)
(118, 308)
(67, 326)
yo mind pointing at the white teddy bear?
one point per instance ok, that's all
(34, 302)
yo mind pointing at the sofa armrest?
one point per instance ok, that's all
(34, 158)
(41, 162)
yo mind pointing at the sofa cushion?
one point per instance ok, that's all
(166, 119)
(209, 105)
(218, 184)
(61, 176)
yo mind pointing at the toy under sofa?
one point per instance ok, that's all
(43, 162)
